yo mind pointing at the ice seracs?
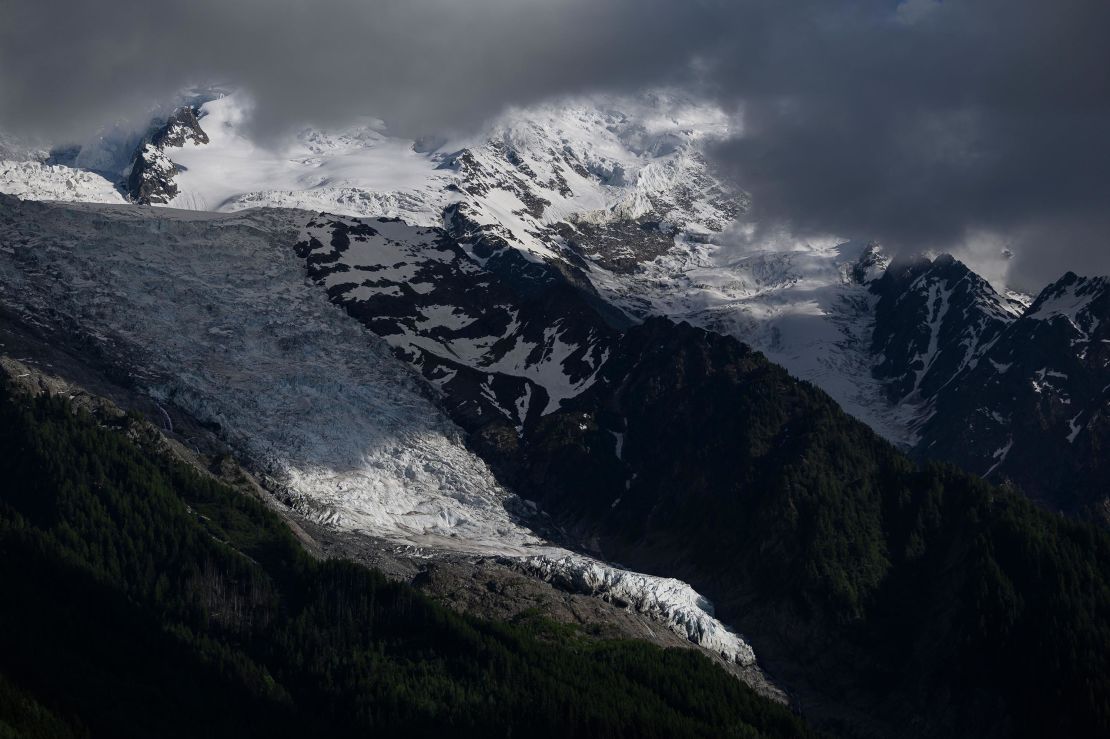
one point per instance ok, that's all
(35, 180)
(665, 599)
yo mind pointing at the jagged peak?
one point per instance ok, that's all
(182, 125)
(871, 265)
(1082, 301)
(151, 176)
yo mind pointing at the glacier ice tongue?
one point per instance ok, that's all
(664, 599)
(214, 315)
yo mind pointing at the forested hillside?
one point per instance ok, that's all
(893, 597)
(142, 598)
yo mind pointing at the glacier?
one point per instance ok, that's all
(212, 314)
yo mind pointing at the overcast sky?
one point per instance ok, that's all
(922, 124)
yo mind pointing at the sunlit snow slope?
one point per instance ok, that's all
(358, 171)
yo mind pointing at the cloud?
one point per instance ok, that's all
(981, 116)
(420, 64)
(923, 124)
(913, 11)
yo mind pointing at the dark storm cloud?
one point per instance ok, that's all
(932, 126)
(920, 124)
(416, 63)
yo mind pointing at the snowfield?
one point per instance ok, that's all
(799, 302)
(213, 315)
(359, 171)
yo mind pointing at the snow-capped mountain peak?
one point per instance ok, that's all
(612, 198)
(1079, 301)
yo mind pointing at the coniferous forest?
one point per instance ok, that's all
(143, 598)
(906, 597)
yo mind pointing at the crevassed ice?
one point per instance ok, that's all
(215, 316)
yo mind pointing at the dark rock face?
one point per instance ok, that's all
(619, 246)
(506, 339)
(1034, 411)
(179, 128)
(933, 320)
(152, 173)
(519, 180)
(1018, 395)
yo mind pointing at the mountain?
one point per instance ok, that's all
(934, 319)
(570, 350)
(1003, 387)
(616, 194)
(836, 557)
(152, 174)
(1033, 410)
(506, 338)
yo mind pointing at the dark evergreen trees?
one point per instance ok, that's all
(915, 595)
(141, 598)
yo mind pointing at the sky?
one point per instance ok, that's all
(972, 125)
